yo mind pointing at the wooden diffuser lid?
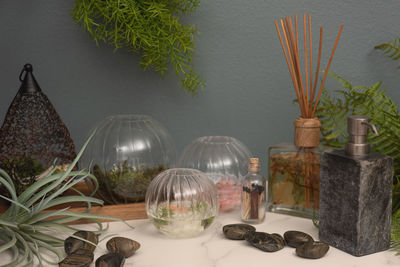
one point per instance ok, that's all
(306, 132)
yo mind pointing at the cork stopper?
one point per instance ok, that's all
(306, 132)
(254, 165)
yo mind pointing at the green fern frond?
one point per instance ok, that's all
(391, 49)
(370, 101)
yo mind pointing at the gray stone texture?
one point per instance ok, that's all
(356, 202)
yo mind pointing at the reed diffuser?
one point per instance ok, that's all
(293, 182)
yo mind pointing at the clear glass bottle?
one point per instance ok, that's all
(253, 196)
(293, 179)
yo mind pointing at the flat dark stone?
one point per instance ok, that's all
(237, 231)
(84, 252)
(72, 244)
(122, 245)
(265, 242)
(110, 260)
(279, 238)
(81, 258)
(312, 250)
(296, 238)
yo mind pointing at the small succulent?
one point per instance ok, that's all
(26, 228)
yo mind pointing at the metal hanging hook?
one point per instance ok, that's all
(20, 75)
(27, 67)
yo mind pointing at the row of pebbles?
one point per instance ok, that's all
(305, 245)
(80, 252)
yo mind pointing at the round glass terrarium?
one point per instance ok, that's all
(125, 154)
(225, 160)
(182, 202)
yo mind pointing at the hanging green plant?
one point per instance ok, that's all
(149, 27)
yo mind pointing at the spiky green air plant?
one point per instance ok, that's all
(25, 229)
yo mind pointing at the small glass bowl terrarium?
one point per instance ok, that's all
(225, 160)
(125, 154)
(182, 202)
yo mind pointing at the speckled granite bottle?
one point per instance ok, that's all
(356, 194)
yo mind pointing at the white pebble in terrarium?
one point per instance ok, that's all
(182, 202)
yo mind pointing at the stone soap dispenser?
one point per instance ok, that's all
(356, 194)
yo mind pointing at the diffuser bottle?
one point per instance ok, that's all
(253, 197)
(293, 176)
(293, 172)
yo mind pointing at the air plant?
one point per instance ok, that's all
(26, 228)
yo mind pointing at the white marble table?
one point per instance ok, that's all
(211, 249)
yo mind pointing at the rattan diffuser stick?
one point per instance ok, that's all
(305, 92)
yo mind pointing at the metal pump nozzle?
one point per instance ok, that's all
(357, 127)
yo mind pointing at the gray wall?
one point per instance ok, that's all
(249, 93)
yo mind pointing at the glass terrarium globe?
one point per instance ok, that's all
(125, 154)
(182, 202)
(225, 160)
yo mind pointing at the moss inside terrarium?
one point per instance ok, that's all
(207, 222)
(24, 170)
(124, 183)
